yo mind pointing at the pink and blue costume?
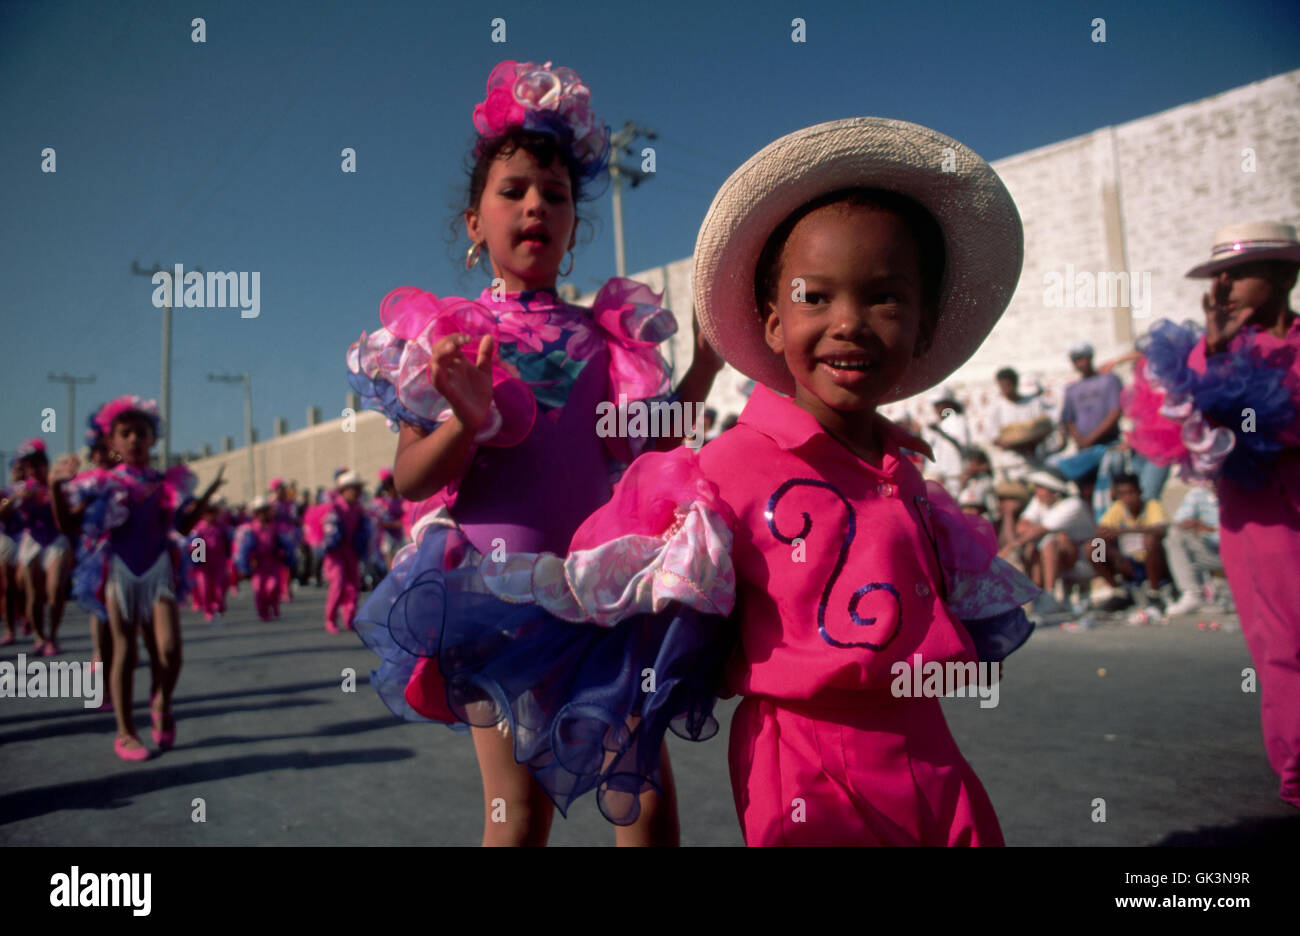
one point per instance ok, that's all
(262, 551)
(1191, 410)
(539, 469)
(347, 535)
(130, 553)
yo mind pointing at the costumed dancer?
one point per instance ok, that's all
(346, 538)
(387, 510)
(263, 547)
(211, 576)
(43, 557)
(1224, 404)
(286, 515)
(137, 579)
(11, 531)
(804, 531)
(499, 403)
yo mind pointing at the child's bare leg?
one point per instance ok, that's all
(167, 647)
(658, 823)
(34, 586)
(9, 597)
(515, 809)
(121, 672)
(56, 580)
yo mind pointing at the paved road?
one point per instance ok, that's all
(281, 755)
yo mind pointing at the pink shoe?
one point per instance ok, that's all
(51, 648)
(130, 754)
(331, 627)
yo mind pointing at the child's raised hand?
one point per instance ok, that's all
(216, 482)
(467, 387)
(64, 468)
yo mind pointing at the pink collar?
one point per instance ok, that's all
(790, 426)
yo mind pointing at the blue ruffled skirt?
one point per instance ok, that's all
(587, 707)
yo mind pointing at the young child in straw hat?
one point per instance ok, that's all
(840, 268)
(1224, 403)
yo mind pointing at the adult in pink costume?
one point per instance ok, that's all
(347, 532)
(1225, 404)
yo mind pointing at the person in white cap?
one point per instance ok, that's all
(1052, 535)
(1225, 405)
(949, 438)
(347, 534)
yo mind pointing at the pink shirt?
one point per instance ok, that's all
(869, 590)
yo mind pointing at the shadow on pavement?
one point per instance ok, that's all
(116, 791)
(1270, 830)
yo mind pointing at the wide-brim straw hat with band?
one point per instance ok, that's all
(1027, 433)
(982, 234)
(348, 479)
(1248, 242)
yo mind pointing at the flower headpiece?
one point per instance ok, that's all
(276, 482)
(30, 448)
(385, 474)
(115, 409)
(548, 100)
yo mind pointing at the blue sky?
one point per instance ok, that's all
(225, 155)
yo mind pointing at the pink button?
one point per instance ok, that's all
(885, 489)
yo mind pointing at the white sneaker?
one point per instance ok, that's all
(1189, 602)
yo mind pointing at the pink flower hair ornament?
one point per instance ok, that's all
(547, 100)
(116, 409)
(30, 448)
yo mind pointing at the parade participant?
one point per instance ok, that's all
(388, 507)
(781, 518)
(136, 580)
(262, 548)
(211, 576)
(286, 515)
(1224, 404)
(346, 537)
(44, 555)
(11, 531)
(500, 438)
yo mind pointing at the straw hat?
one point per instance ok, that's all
(1025, 434)
(1015, 490)
(1247, 243)
(348, 479)
(983, 239)
(1049, 480)
(260, 502)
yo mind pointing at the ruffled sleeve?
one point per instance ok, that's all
(664, 537)
(1230, 414)
(985, 591)
(105, 500)
(390, 369)
(634, 324)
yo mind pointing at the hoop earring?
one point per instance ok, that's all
(570, 269)
(471, 256)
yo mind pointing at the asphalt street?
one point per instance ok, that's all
(1152, 721)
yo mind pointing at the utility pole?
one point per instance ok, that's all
(621, 143)
(246, 379)
(72, 403)
(166, 394)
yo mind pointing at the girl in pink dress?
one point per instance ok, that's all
(262, 549)
(346, 537)
(133, 574)
(498, 399)
(210, 575)
(841, 269)
(1224, 404)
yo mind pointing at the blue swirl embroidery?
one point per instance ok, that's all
(770, 515)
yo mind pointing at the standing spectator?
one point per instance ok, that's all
(949, 438)
(1192, 546)
(1017, 424)
(1091, 418)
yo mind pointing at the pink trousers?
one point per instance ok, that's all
(878, 774)
(343, 571)
(210, 588)
(266, 593)
(1259, 542)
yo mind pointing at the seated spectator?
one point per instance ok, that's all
(949, 437)
(1052, 536)
(1134, 533)
(1016, 426)
(1192, 546)
(1012, 497)
(976, 493)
